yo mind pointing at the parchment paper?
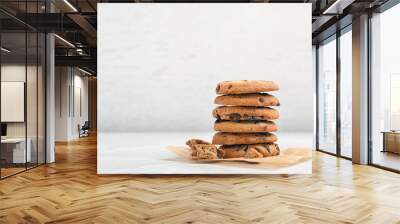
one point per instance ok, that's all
(288, 157)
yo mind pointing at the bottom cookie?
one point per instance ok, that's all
(250, 151)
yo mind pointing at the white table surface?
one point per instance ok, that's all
(146, 153)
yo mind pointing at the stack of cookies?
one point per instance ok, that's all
(245, 119)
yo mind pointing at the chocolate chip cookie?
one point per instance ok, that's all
(194, 141)
(245, 126)
(251, 99)
(207, 151)
(250, 151)
(245, 86)
(236, 113)
(222, 138)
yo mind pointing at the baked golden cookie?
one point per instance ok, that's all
(192, 142)
(236, 113)
(245, 126)
(240, 151)
(245, 86)
(207, 151)
(251, 99)
(222, 138)
(250, 151)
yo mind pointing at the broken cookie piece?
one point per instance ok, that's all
(192, 142)
(204, 151)
(207, 151)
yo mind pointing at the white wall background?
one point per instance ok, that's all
(69, 81)
(159, 64)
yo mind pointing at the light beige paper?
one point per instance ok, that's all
(288, 157)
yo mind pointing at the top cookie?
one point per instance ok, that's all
(245, 86)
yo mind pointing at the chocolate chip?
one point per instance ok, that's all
(267, 147)
(277, 147)
(278, 104)
(230, 86)
(261, 99)
(217, 89)
(244, 147)
(234, 116)
(220, 153)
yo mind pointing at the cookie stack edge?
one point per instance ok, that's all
(245, 119)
